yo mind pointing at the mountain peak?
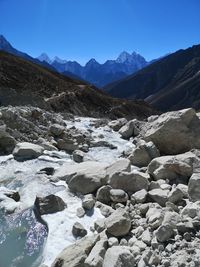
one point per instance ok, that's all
(59, 60)
(45, 57)
(4, 44)
(124, 56)
(92, 61)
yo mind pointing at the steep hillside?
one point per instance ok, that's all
(23, 82)
(170, 83)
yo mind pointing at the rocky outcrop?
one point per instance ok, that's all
(26, 151)
(49, 204)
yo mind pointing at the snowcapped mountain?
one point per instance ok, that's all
(100, 74)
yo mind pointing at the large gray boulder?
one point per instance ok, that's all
(173, 167)
(117, 124)
(7, 142)
(49, 204)
(118, 223)
(130, 182)
(158, 195)
(131, 128)
(96, 256)
(194, 187)
(119, 256)
(118, 166)
(143, 154)
(174, 132)
(75, 254)
(26, 151)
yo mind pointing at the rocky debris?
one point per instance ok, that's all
(139, 197)
(103, 194)
(56, 130)
(49, 204)
(76, 254)
(118, 223)
(118, 166)
(143, 154)
(88, 202)
(105, 209)
(164, 232)
(7, 142)
(78, 230)
(99, 225)
(119, 256)
(194, 187)
(118, 195)
(80, 212)
(27, 151)
(130, 181)
(117, 124)
(113, 241)
(96, 256)
(78, 156)
(48, 170)
(174, 132)
(130, 129)
(158, 195)
(173, 167)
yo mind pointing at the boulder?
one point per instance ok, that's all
(143, 154)
(49, 204)
(103, 194)
(118, 223)
(130, 181)
(131, 128)
(7, 142)
(118, 166)
(174, 132)
(26, 151)
(88, 202)
(118, 195)
(56, 129)
(194, 187)
(117, 124)
(78, 230)
(139, 196)
(158, 195)
(78, 156)
(164, 233)
(175, 195)
(119, 256)
(95, 258)
(173, 167)
(75, 254)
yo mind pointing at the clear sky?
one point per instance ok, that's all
(101, 29)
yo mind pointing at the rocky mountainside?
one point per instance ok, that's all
(96, 73)
(23, 82)
(171, 83)
(107, 193)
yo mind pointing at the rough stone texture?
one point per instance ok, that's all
(118, 256)
(174, 132)
(130, 182)
(118, 223)
(131, 128)
(164, 232)
(158, 195)
(139, 196)
(194, 187)
(118, 195)
(78, 156)
(49, 204)
(88, 202)
(95, 258)
(117, 124)
(173, 167)
(78, 230)
(103, 194)
(143, 154)
(119, 166)
(75, 254)
(25, 151)
(7, 142)
(56, 129)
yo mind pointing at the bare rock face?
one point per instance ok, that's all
(174, 132)
(118, 223)
(49, 204)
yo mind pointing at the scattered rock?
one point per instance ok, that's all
(158, 195)
(194, 187)
(103, 194)
(164, 232)
(131, 128)
(118, 195)
(117, 124)
(96, 256)
(26, 151)
(49, 204)
(78, 156)
(80, 212)
(78, 230)
(139, 196)
(56, 130)
(88, 202)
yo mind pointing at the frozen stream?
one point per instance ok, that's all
(24, 241)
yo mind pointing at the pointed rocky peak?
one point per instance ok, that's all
(44, 57)
(4, 44)
(92, 62)
(123, 57)
(59, 60)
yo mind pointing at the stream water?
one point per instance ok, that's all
(25, 241)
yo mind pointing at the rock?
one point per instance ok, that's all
(118, 166)
(154, 216)
(80, 212)
(7, 142)
(171, 218)
(172, 167)
(68, 145)
(175, 195)
(117, 124)
(85, 177)
(78, 230)
(99, 225)
(146, 237)
(26, 151)
(78, 156)
(194, 187)
(139, 196)
(130, 182)
(56, 130)
(95, 258)
(118, 223)
(131, 128)
(75, 254)
(174, 132)
(118, 195)
(119, 256)
(113, 241)
(105, 209)
(164, 232)
(158, 195)
(143, 154)
(48, 170)
(103, 194)
(49, 204)
(191, 210)
(88, 202)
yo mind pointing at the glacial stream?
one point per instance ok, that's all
(24, 240)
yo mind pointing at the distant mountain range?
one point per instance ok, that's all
(171, 83)
(96, 73)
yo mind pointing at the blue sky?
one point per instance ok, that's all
(101, 29)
